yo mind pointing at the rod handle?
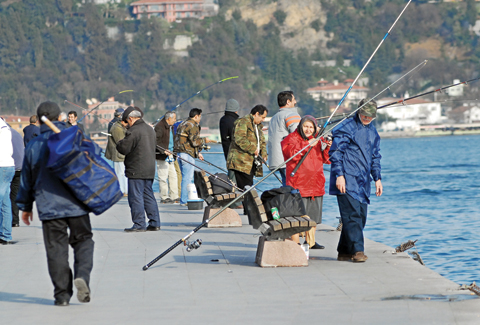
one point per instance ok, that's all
(50, 124)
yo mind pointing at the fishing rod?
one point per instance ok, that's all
(197, 93)
(180, 119)
(402, 101)
(123, 91)
(67, 101)
(205, 223)
(213, 175)
(349, 88)
(263, 161)
(209, 163)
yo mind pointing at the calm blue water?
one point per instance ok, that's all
(431, 193)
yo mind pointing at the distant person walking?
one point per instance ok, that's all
(309, 179)
(138, 146)
(284, 122)
(7, 171)
(117, 132)
(188, 145)
(226, 129)
(58, 210)
(167, 174)
(31, 130)
(355, 156)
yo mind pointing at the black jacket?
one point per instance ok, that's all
(30, 132)
(138, 146)
(162, 132)
(226, 130)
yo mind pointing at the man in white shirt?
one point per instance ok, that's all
(7, 171)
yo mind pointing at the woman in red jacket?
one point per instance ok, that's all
(309, 179)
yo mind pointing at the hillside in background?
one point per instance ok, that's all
(66, 50)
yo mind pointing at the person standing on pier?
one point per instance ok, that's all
(58, 210)
(226, 129)
(117, 132)
(355, 155)
(284, 122)
(188, 144)
(31, 130)
(138, 146)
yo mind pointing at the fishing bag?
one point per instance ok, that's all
(286, 199)
(76, 160)
(219, 187)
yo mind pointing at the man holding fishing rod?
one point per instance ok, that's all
(355, 155)
(188, 145)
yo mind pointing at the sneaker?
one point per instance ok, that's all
(83, 292)
(167, 201)
(359, 257)
(7, 242)
(133, 229)
(183, 204)
(344, 257)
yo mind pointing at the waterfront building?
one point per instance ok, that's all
(333, 92)
(172, 10)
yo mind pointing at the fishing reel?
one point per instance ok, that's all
(191, 245)
(258, 162)
(205, 147)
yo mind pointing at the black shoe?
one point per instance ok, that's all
(61, 302)
(152, 228)
(4, 242)
(317, 246)
(167, 201)
(133, 229)
(15, 225)
(83, 292)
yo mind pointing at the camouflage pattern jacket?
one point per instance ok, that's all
(187, 138)
(244, 144)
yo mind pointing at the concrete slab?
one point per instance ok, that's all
(220, 283)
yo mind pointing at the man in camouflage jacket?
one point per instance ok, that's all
(248, 143)
(188, 145)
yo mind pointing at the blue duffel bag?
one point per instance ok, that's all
(77, 161)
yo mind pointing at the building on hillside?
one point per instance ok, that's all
(101, 115)
(332, 93)
(172, 10)
(465, 114)
(18, 123)
(411, 114)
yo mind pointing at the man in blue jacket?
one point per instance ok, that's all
(355, 155)
(58, 210)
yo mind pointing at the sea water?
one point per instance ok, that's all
(431, 194)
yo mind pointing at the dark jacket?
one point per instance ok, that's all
(138, 146)
(355, 154)
(117, 133)
(30, 132)
(112, 122)
(226, 130)
(80, 126)
(162, 133)
(37, 183)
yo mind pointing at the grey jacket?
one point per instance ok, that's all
(283, 123)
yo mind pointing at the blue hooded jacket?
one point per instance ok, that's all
(355, 154)
(37, 183)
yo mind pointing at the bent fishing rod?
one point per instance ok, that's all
(205, 223)
(350, 88)
(207, 172)
(197, 93)
(123, 91)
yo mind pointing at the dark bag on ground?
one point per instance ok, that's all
(76, 160)
(219, 187)
(286, 199)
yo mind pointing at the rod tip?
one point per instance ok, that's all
(145, 268)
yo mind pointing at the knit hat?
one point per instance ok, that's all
(370, 108)
(48, 109)
(128, 111)
(232, 106)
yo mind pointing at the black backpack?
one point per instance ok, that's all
(286, 199)
(219, 187)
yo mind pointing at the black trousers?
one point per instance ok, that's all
(14, 186)
(57, 239)
(354, 218)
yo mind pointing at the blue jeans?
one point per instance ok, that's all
(142, 200)
(283, 173)
(6, 176)
(354, 218)
(187, 174)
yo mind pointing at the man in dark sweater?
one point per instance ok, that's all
(138, 146)
(31, 131)
(227, 127)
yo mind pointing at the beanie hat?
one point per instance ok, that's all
(48, 109)
(118, 112)
(232, 106)
(128, 111)
(370, 108)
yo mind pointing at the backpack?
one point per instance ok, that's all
(286, 199)
(76, 161)
(219, 187)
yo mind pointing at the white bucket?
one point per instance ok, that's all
(192, 192)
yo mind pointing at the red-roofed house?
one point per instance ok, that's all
(104, 113)
(171, 10)
(333, 92)
(465, 114)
